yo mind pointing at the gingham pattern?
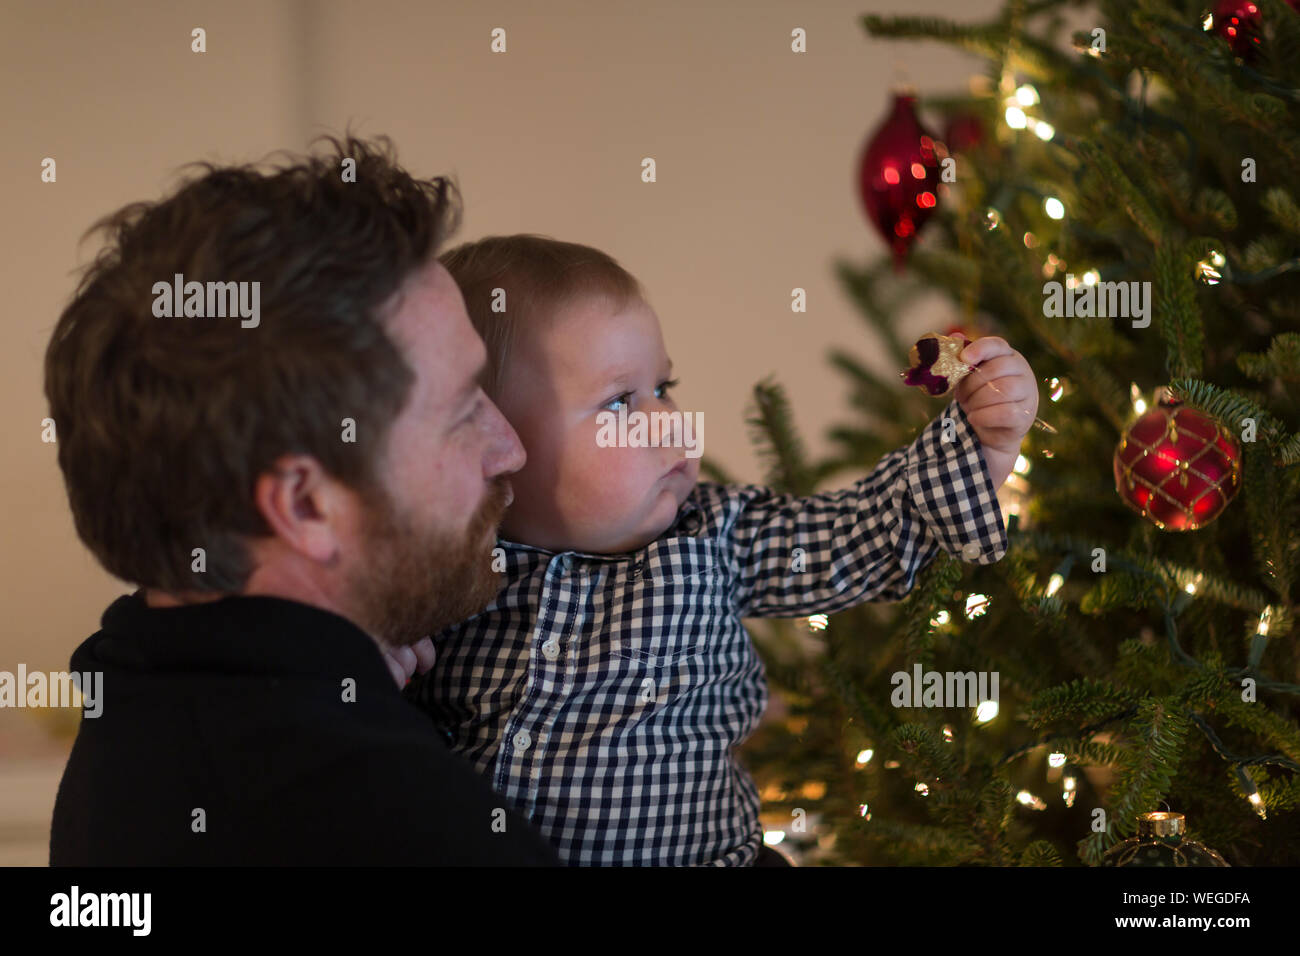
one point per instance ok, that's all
(602, 694)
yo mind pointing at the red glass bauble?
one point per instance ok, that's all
(1177, 467)
(898, 177)
(965, 131)
(1239, 22)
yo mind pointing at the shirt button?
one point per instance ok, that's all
(522, 740)
(551, 650)
(971, 551)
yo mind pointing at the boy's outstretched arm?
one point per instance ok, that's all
(791, 557)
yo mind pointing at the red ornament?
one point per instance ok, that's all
(1177, 467)
(965, 131)
(1239, 22)
(898, 177)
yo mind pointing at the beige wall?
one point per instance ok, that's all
(756, 150)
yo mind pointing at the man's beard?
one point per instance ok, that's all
(413, 583)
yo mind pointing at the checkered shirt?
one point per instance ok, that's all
(602, 695)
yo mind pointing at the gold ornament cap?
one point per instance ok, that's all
(1161, 825)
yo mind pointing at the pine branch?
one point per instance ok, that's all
(777, 442)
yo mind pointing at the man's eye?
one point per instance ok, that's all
(621, 400)
(665, 386)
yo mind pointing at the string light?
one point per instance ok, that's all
(817, 622)
(947, 733)
(986, 711)
(1021, 467)
(1057, 387)
(864, 757)
(1091, 276)
(923, 789)
(1016, 118)
(1054, 584)
(1068, 789)
(1252, 792)
(976, 606)
(1264, 615)
(864, 812)
(939, 619)
(1029, 800)
(1135, 395)
(1026, 95)
(773, 837)
(1056, 760)
(1054, 207)
(1207, 270)
(1044, 131)
(992, 219)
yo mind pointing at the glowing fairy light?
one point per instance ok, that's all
(947, 733)
(1091, 276)
(1030, 240)
(1029, 800)
(1057, 387)
(864, 812)
(1056, 760)
(1026, 95)
(1044, 131)
(992, 219)
(1207, 22)
(1054, 208)
(864, 757)
(1135, 395)
(817, 622)
(986, 711)
(1264, 615)
(1016, 118)
(1021, 467)
(773, 837)
(939, 619)
(1054, 584)
(976, 606)
(923, 789)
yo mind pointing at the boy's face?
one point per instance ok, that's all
(572, 494)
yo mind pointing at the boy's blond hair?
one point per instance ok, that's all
(541, 276)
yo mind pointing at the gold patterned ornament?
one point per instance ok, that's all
(1160, 841)
(1177, 467)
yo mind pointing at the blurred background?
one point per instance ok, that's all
(756, 150)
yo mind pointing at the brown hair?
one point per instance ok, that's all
(540, 276)
(164, 424)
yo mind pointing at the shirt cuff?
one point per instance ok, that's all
(952, 489)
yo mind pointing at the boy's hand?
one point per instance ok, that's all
(404, 661)
(1003, 417)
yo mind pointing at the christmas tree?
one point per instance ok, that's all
(1141, 622)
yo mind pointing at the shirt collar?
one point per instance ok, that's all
(232, 635)
(687, 522)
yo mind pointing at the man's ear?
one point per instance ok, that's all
(307, 509)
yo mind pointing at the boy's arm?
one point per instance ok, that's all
(867, 542)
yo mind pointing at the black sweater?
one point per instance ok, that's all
(237, 708)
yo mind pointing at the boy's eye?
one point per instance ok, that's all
(660, 392)
(665, 386)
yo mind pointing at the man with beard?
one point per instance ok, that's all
(302, 502)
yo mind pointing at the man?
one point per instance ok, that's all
(268, 413)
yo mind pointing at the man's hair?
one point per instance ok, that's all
(540, 277)
(164, 424)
